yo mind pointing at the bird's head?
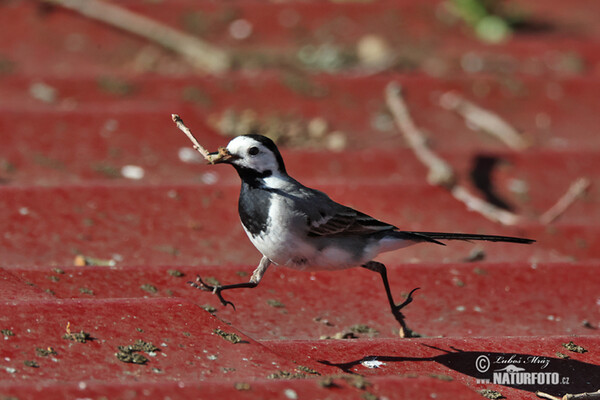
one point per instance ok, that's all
(252, 156)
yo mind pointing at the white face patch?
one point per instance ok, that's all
(252, 155)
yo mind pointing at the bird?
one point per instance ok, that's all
(302, 228)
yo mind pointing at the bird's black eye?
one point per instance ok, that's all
(253, 150)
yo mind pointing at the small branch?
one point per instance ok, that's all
(575, 191)
(197, 146)
(483, 119)
(440, 172)
(199, 53)
(486, 209)
(568, 396)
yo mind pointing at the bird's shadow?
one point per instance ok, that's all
(521, 371)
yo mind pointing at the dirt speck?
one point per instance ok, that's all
(149, 288)
(7, 332)
(209, 308)
(176, 273)
(230, 337)
(491, 394)
(574, 348)
(31, 363)
(286, 375)
(41, 352)
(242, 386)
(307, 370)
(275, 303)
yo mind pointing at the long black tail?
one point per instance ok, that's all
(435, 236)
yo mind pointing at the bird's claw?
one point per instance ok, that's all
(406, 302)
(199, 284)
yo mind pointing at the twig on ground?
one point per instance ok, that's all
(484, 120)
(569, 396)
(576, 189)
(199, 53)
(486, 209)
(440, 172)
(197, 146)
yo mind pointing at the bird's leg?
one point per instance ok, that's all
(254, 281)
(381, 270)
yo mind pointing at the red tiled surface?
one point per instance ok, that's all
(62, 195)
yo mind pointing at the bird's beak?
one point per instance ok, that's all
(221, 156)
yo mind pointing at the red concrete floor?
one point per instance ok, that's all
(79, 100)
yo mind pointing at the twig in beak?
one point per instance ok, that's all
(197, 146)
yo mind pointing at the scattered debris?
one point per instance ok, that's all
(7, 332)
(369, 396)
(286, 375)
(134, 172)
(442, 377)
(58, 271)
(576, 190)
(364, 329)
(175, 273)
(209, 308)
(569, 396)
(80, 337)
(131, 357)
(211, 280)
(43, 92)
(149, 288)
(587, 324)
(81, 261)
(491, 394)
(242, 386)
(285, 130)
(323, 321)
(290, 394)
(197, 52)
(86, 291)
(562, 355)
(45, 352)
(574, 348)
(327, 382)
(440, 172)
(477, 254)
(307, 370)
(131, 353)
(31, 363)
(484, 120)
(230, 337)
(275, 303)
(357, 381)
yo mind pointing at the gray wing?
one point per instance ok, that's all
(325, 217)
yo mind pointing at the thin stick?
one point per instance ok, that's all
(197, 146)
(483, 119)
(199, 53)
(575, 191)
(486, 209)
(440, 172)
(569, 396)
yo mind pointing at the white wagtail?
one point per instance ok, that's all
(302, 228)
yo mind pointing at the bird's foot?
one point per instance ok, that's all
(406, 302)
(405, 332)
(199, 284)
